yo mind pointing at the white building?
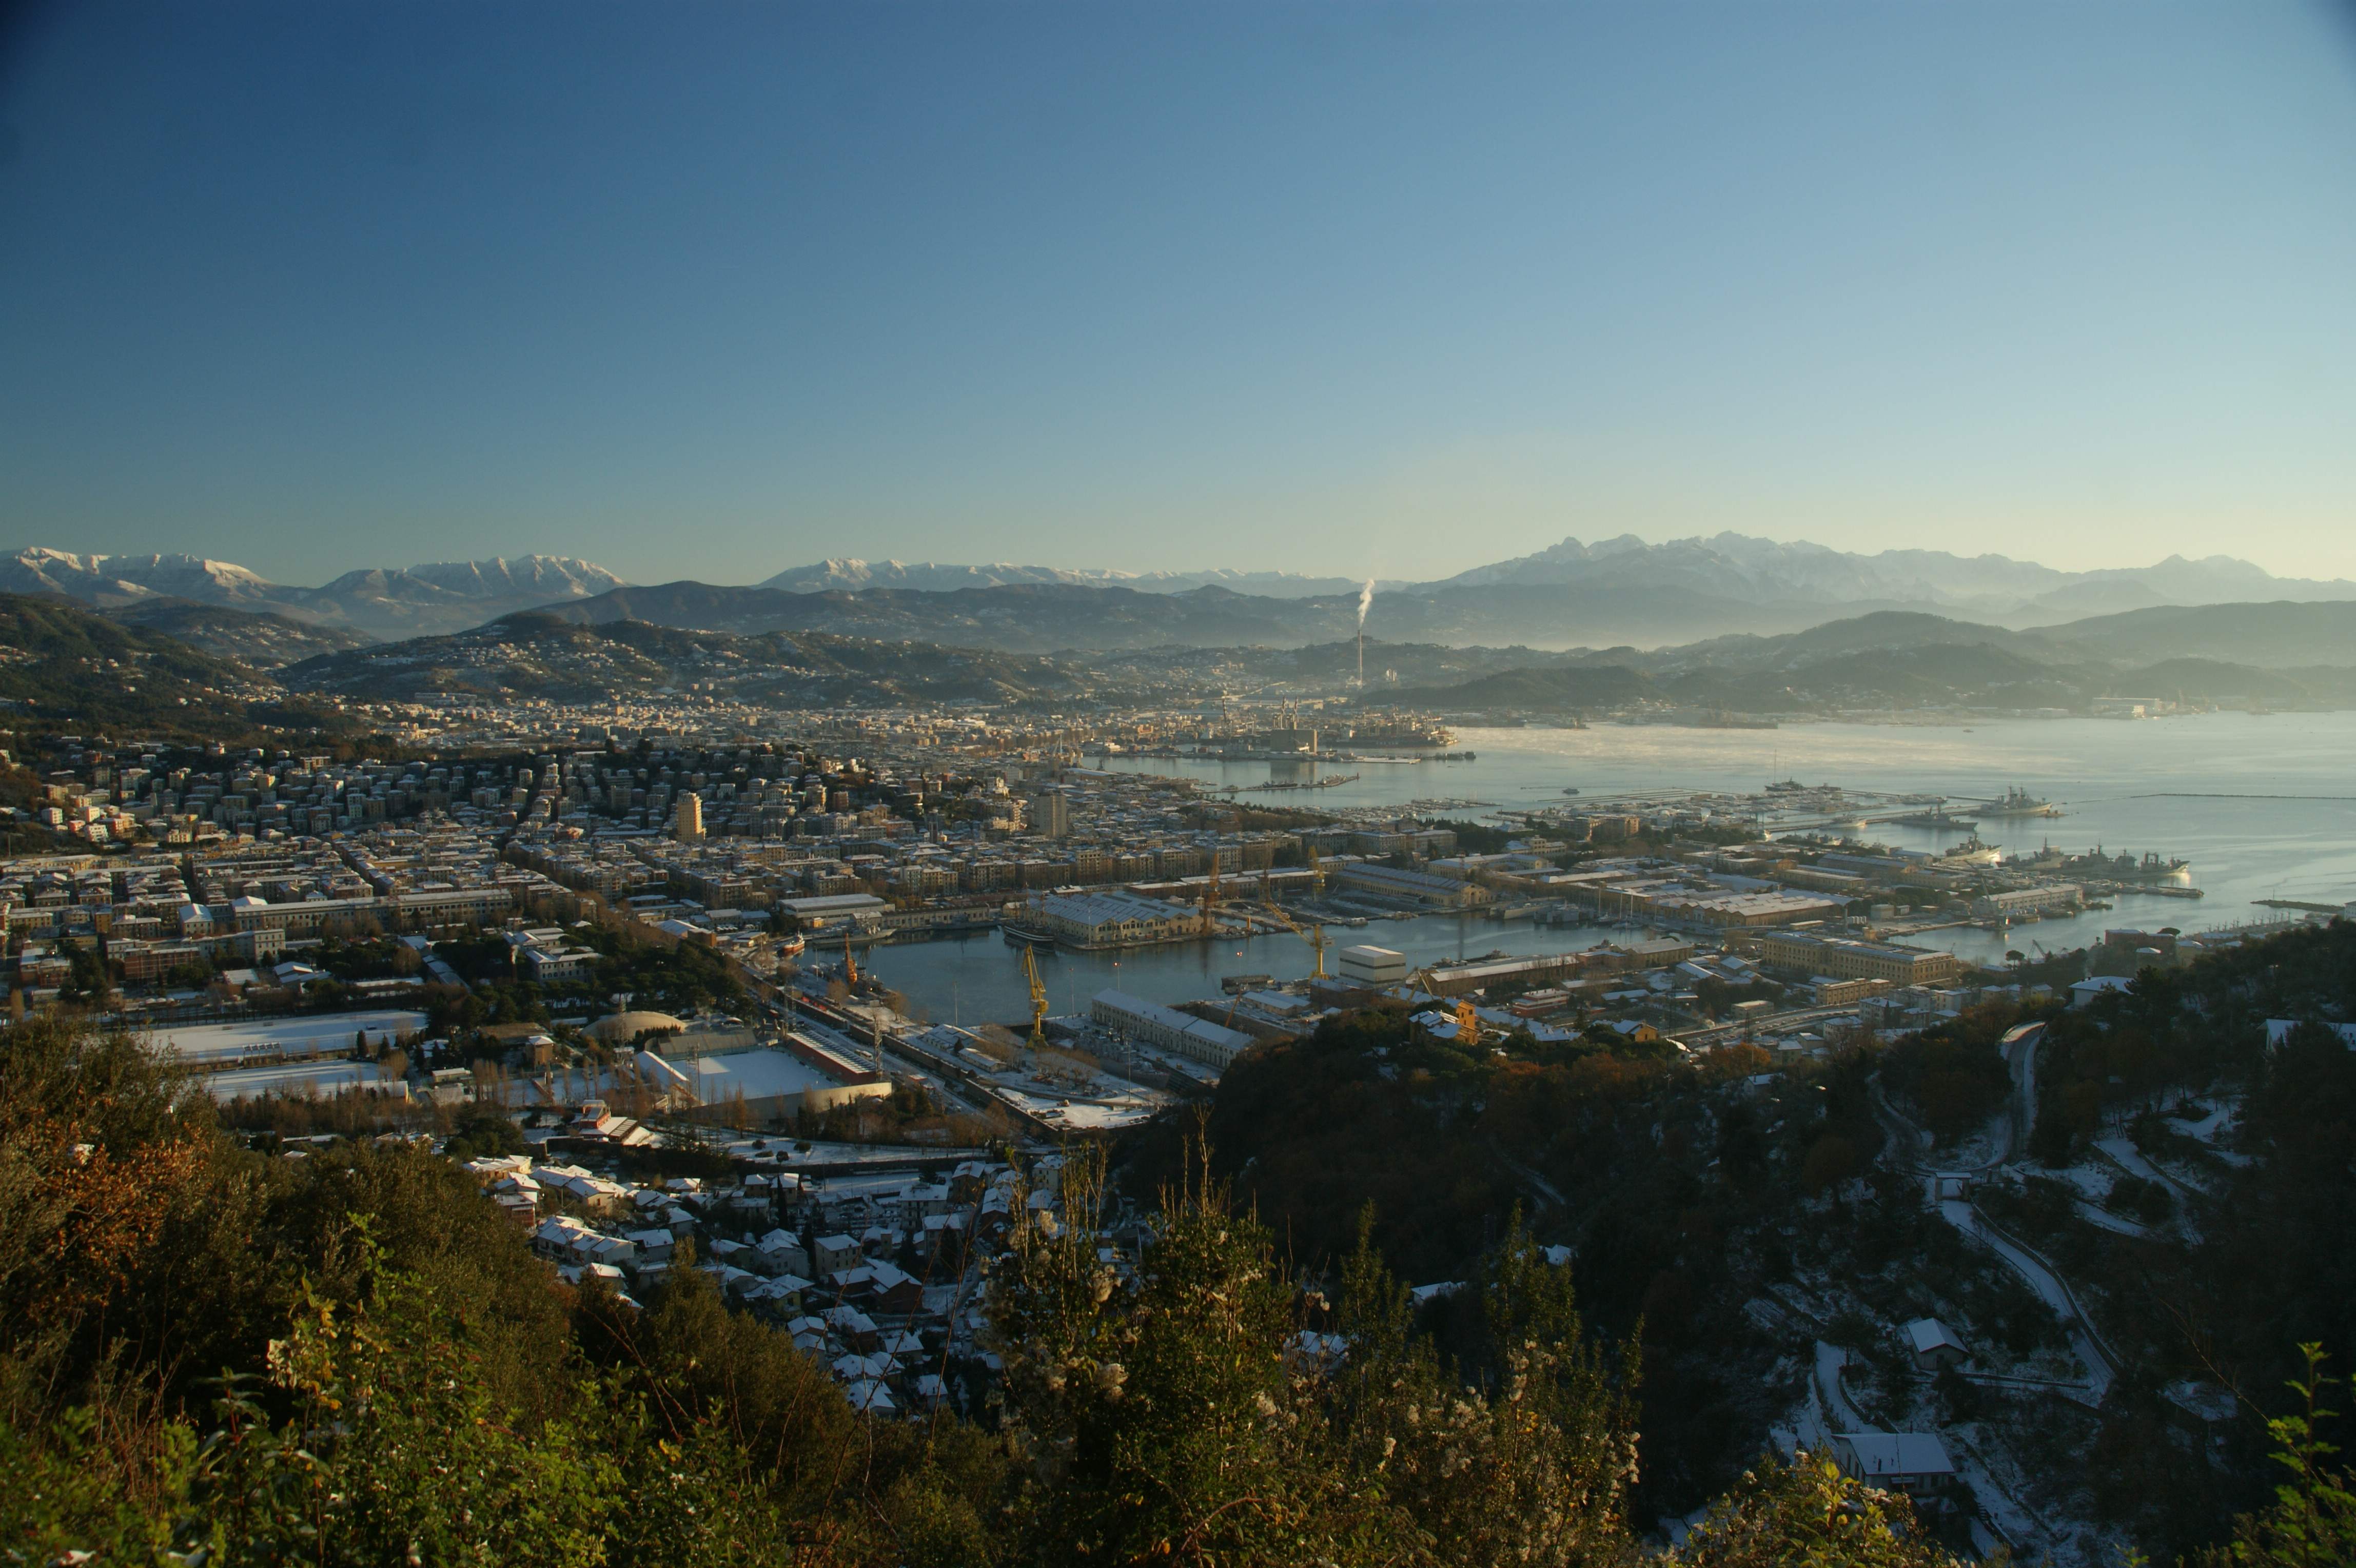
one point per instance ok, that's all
(1168, 1028)
(2065, 895)
(1373, 966)
(1110, 918)
(1915, 1463)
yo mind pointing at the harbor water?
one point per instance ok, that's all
(2263, 806)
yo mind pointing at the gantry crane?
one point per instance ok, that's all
(1468, 1025)
(1313, 933)
(1038, 999)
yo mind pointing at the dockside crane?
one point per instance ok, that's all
(1468, 1025)
(1313, 933)
(1038, 999)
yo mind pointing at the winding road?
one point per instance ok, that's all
(2019, 1049)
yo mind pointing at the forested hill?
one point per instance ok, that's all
(1911, 658)
(543, 655)
(2192, 1187)
(216, 1353)
(65, 668)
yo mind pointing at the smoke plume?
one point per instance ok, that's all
(1365, 602)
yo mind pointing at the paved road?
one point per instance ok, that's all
(2132, 1159)
(2021, 1059)
(1839, 1414)
(2019, 1047)
(2048, 1284)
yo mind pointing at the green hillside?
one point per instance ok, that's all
(64, 668)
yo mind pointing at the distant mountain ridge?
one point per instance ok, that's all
(381, 602)
(1740, 566)
(857, 576)
(2299, 654)
(1571, 595)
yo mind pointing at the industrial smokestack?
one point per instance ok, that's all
(1365, 603)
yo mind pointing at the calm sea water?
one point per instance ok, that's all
(2263, 806)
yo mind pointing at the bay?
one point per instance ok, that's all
(2263, 805)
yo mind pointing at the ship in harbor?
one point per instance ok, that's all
(1936, 817)
(2127, 868)
(1398, 731)
(2017, 802)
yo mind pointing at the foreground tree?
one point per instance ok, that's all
(1807, 1514)
(2313, 1520)
(1526, 1457)
(1158, 1415)
(1189, 1416)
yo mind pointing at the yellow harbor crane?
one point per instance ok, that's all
(1038, 999)
(1313, 933)
(1468, 1025)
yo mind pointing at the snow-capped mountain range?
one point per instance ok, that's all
(856, 576)
(1738, 566)
(440, 597)
(1612, 590)
(1729, 566)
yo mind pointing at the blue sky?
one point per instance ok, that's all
(709, 290)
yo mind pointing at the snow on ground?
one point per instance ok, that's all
(1987, 1467)
(2042, 1280)
(2103, 1219)
(1843, 1415)
(1978, 1152)
(2133, 1160)
(2091, 1186)
(308, 1034)
(791, 1151)
(295, 1080)
(2214, 1128)
(2214, 1124)
(1081, 1113)
(2094, 1182)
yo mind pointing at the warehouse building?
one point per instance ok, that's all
(1838, 958)
(1373, 967)
(2061, 896)
(1167, 1028)
(1111, 919)
(1420, 886)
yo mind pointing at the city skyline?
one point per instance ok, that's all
(1382, 292)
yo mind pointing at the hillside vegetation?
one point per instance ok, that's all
(259, 639)
(208, 1355)
(1732, 1211)
(352, 1358)
(64, 668)
(544, 655)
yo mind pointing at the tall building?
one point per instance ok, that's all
(1051, 814)
(691, 817)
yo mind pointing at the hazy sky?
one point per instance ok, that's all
(711, 290)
